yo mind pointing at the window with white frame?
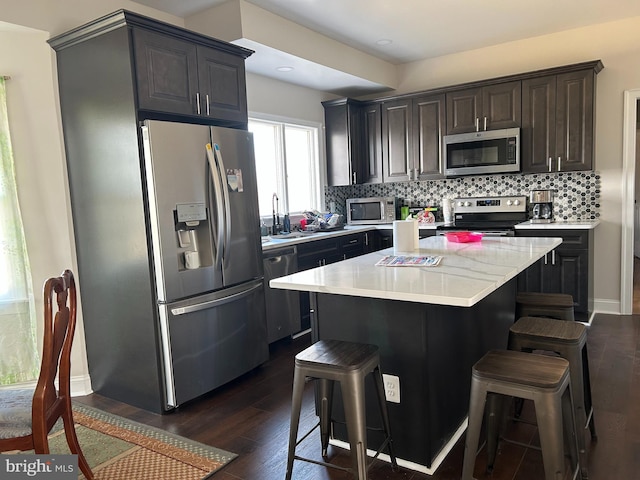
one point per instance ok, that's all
(287, 164)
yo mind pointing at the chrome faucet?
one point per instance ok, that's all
(276, 216)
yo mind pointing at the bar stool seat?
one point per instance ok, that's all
(329, 361)
(541, 378)
(569, 340)
(551, 305)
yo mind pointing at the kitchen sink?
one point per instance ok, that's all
(284, 236)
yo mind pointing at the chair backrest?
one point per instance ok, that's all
(48, 402)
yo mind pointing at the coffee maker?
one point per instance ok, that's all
(541, 206)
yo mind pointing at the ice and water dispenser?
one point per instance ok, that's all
(192, 228)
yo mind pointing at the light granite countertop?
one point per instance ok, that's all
(467, 273)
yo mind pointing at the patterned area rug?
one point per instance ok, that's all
(120, 449)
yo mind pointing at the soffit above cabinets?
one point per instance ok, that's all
(418, 29)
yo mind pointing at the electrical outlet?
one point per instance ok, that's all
(391, 388)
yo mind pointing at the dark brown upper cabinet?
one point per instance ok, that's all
(397, 145)
(352, 133)
(488, 107)
(412, 130)
(371, 160)
(429, 119)
(181, 77)
(399, 138)
(558, 122)
(175, 74)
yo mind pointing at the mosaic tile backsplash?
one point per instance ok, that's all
(577, 195)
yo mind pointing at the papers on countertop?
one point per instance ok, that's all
(409, 261)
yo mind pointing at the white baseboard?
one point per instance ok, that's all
(81, 385)
(607, 306)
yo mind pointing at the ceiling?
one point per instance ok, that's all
(417, 29)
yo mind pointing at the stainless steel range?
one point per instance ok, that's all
(489, 215)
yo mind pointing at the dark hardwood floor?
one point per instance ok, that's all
(250, 417)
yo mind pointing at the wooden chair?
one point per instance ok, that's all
(27, 416)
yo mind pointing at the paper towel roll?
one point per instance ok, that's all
(405, 235)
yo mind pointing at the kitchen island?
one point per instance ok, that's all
(431, 325)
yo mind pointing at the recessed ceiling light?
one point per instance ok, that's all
(384, 41)
(284, 69)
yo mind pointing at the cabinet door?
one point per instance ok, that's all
(463, 110)
(484, 108)
(557, 122)
(371, 161)
(428, 128)
(501, 106)
(530, 280)
(166, 73)
(566, 272)
(353, 245)
(342, 141)
(396, 140)
(222, 85)
(538, 133)
(574, 121)
(318, 252)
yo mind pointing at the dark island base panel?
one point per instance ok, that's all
(431, 348)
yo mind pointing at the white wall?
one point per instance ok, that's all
(40, 166)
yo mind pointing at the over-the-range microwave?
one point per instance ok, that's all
(479, 153)
(372, 210)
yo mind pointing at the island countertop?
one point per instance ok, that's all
(467, 273)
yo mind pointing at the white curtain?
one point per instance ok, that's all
(18, 347)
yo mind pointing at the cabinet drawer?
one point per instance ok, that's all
(571, 239)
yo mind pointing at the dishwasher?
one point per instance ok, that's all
(283, 306)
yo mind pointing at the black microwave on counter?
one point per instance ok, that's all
(371, 210)
(481, 153)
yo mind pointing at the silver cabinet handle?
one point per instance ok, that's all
(550, 160)
(353, 178)
(198, 103)
(559, 164)
(208, 110)
(553, 257)
(485, 124)
(477, 124)
(545, 259)
(366, 238)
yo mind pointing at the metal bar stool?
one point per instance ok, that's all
(349, 363)
(569, 340)
(551, 305)
(541, 378)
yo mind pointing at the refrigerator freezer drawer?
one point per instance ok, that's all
(210, 340)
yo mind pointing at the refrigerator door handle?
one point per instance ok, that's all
(217, 182)
(227, 204)
(214, 303)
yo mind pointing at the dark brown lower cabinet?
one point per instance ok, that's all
(566, 269)
(323, 252)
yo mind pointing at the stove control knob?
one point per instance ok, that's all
(461, 204)
(516, 202)
(467, 204)
(509, 202)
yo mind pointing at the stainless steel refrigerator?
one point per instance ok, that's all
(206, 255)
